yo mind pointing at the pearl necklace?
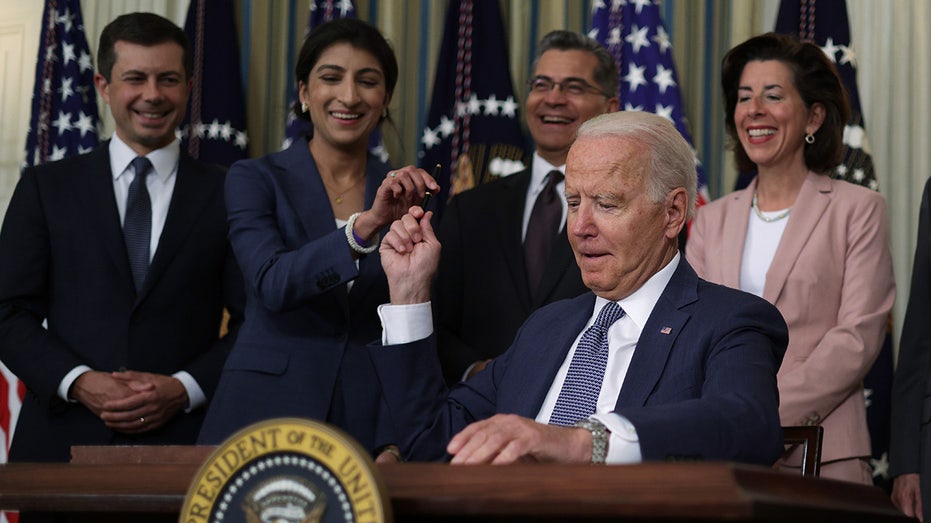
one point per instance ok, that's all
(768, 219)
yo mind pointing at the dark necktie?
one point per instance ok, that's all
(579, 395)
(137, 225)
(542, 229)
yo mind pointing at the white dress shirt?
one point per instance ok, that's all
(407, 323)
(760, 247)
(161, 185)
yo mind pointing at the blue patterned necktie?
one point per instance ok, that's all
(579, 394)
(137, 225)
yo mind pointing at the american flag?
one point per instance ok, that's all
(322, 11)
(215, 124)
(64, 122)
(64, 117)
(825, 23)
(634, 33)
(473, 127)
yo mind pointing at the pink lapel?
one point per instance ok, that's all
(735, 226)
(812, 201)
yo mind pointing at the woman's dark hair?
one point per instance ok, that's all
(354, 32)
(816, 80)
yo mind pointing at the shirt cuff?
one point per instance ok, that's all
(195, 395)
(623, 444)
(405, 323)
(69, 380)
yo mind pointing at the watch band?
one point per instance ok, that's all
(599, 439)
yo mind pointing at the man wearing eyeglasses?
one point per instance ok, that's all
(505, 251)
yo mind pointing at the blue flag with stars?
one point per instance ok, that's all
(634, 33)
(473, 126)
(215, 123)
(64, 116)
(824, 22)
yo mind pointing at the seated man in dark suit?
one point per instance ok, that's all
(505, 252)
(123, 252)
(654, 364)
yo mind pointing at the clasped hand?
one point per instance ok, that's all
(130, 402)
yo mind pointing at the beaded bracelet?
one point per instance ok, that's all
(351, 237)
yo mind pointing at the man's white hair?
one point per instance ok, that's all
(671, 159)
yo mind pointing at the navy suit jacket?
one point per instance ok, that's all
(910, 445)
(482, 296)
(706, 390)
(302, 349)
(63, 258)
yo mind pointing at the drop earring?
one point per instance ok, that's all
(303, 107)
(809, 138)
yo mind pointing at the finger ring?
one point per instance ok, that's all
(141, 420)
(392, 174)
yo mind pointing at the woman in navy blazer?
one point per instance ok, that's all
(305, 225)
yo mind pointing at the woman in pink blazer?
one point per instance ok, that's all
(814, 246)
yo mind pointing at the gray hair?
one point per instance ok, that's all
(605, 75)
(671, 159)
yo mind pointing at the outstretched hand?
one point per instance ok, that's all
(508, 438)
(410, 253)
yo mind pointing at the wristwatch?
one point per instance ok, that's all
(599, 439)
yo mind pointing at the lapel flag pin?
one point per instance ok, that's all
(665, 330)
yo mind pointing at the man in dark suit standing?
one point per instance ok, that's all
(653, 364)
(910, 444)
(115, 267)
(505, 252)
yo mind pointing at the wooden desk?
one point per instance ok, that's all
(438, 492)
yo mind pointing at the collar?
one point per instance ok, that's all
(641, 303)
(164, 160)
(540, 169)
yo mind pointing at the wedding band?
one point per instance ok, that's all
(141, 420)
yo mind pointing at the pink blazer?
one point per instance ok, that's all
(831, 279)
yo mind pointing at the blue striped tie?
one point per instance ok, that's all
(579, 394)
(137, 225)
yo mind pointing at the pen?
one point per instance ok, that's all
(428, 194)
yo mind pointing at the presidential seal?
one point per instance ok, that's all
(287, 470)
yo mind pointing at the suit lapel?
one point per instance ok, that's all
(188, 200)
(658, 336)
(510, 218)
(735, 226)
(813, 200)
(99, 202)
(305, 190)
(533, 381)
(370, 264)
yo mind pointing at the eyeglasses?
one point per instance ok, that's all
(571, 87)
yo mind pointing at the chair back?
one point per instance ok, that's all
(809, 437)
